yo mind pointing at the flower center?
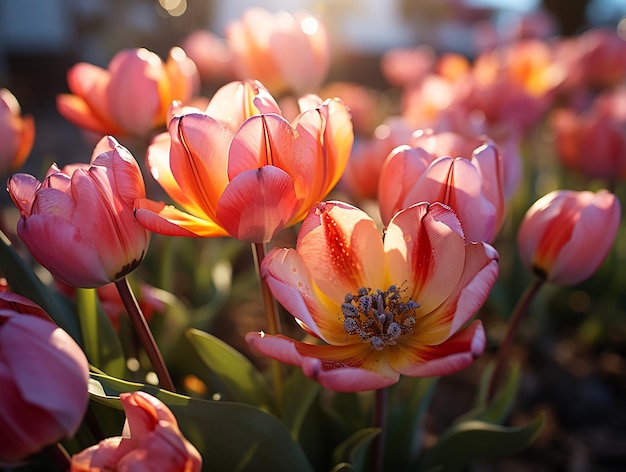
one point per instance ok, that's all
(378, 317)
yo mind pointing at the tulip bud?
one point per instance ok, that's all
(565, 235)
(17, 133)
(44, 376)
(79, 223)
(151, 441)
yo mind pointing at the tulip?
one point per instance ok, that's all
(594, 142)
(132, 96)
(465, 174)
(151, 440)
(241, 170)
(402, 306)
(566, 234)
(78, 223)
(44, 376)
(288, 53)
(17, 133)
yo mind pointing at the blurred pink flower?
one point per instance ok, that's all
(241, 169)
(565, 235)
(44, 376)
(463, 173)
(79, 222)
(132, 96)
(404, 66)
(288, 53)
(17, 133)
(360, 179)
(151, 440)
(384, 309)
(211, 54)
(594, 142)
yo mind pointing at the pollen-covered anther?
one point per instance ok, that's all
(378, 317)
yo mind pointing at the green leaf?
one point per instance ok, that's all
(242, 379)
(471, 441)
(299, 392)
(23, 281)
(102, 345)
(410, 399)
(496, 411)
(229, 436)
(353, 450)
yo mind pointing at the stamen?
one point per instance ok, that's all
(378, 317)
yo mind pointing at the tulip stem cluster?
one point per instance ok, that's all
(141, 328)
(502, 356)
(272, 317)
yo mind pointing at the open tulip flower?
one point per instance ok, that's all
(401, 306)
(151, 441)
(17, 133)
(463, 173)
(132, 96)
(241, 169)
(44, 376)
(566, 234)
(79, 223)
(288, 53)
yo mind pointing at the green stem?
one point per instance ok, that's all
(380, 421)
(141, 328)
(87, 311)
(272, 317)
(502, 356)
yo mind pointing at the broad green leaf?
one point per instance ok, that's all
(472, 441)
(499, 408)
(299, 392)
(229, 436)
(353, 450)
(25, 282)
(102, 346)
(243, 380)
(409, 401)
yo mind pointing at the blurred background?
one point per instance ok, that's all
(576, 369)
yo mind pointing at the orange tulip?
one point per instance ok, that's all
(44, 376)
(17, 133)
(383, 309)
(287, 53)
(132, 96)
(151, 441)
(565, 235)
(79, 223)
(241, 169)
(463, 173)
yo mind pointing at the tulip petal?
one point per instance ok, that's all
(290, 281)
(22, 188)
(165, 219)
(262, 140)
(76, 110)
(343, 249)
(64, 360)
(425, 249)
(456, 353)
(352, 368)
(257, 204)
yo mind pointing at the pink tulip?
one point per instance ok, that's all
(151, 441)
(132, 96)
(383, 309)
(565, 235)
(241, 169)
(17, 133)
(79, 223)
(594, 142)
(465, 174)
(211, 55)
(44, 376)
(288, 53)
